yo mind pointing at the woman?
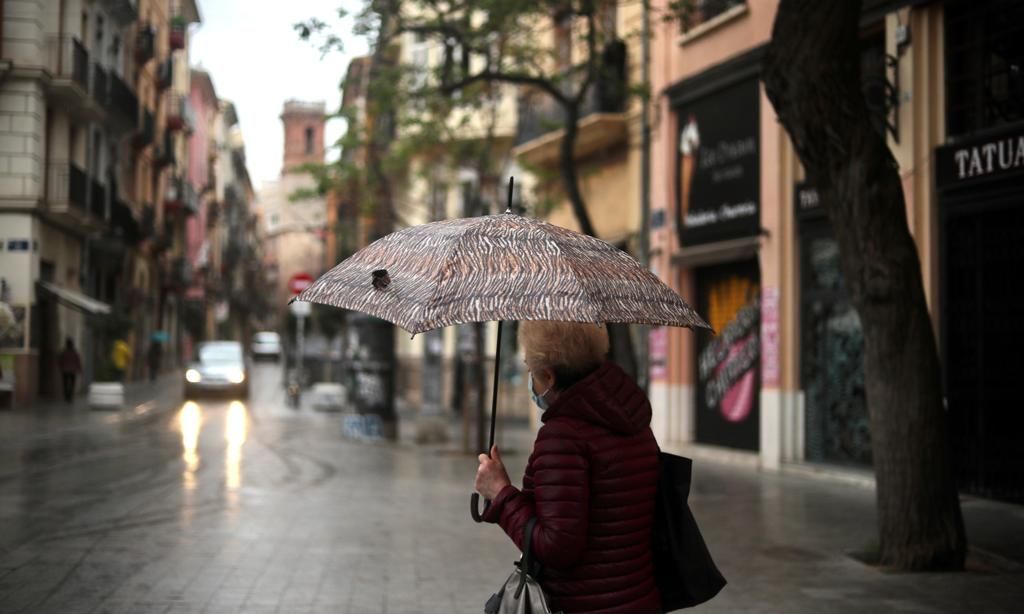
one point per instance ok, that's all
(591, 479)
(70, 365)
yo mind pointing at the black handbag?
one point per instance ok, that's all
(521, 593)
(683, 569)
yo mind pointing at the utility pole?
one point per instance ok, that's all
(643, 364)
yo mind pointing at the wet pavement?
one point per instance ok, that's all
(220, 506)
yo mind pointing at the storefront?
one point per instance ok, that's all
(718, 220)
(836, 426)
(979, 178)
(981, 197)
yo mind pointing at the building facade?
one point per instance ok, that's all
(739, 233)
(80, 178)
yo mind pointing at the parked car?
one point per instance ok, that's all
(219, 367)
(266, 345)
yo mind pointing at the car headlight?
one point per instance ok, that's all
(237, 376)
(192, 376)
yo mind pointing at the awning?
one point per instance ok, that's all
(75, 299)
(718, 252)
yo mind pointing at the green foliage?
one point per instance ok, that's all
(484, 44)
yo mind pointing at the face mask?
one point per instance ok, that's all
(538, 400)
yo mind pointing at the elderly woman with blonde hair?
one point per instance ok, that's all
(591, 479)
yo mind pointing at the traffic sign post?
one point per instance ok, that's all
(301, 310)
(299, 282)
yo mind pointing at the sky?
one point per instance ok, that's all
(257, 61)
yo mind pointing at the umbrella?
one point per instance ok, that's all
(498, 267)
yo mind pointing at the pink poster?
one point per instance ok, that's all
(658, 353)
(770, 371)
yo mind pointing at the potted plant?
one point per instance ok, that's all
(177, 32)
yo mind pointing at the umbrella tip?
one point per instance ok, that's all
(511, 184)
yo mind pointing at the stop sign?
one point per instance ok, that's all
(299, 282)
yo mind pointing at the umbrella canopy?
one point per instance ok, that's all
(498, 267)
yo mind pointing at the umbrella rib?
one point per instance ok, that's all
(579, 280)
(431, 306)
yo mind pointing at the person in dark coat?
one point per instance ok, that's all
(70, 365)
(591, 479)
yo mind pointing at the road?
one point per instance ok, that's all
(222, 506)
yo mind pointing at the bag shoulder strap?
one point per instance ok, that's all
(528, 541)
(526, 564)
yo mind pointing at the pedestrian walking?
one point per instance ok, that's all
(121, 357)
(591, 479)
(154, 358)
(70, 365)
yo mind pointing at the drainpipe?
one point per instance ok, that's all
(645, 181)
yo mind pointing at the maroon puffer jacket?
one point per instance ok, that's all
(591, 482)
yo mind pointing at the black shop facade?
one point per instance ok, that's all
(718, 220)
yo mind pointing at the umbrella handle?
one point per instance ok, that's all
(474, 506)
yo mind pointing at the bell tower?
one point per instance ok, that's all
(303, 134)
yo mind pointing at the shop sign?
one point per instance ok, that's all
(980, 159)
(718, 165)
(770, 372)
(807, 202)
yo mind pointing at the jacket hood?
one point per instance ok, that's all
(607, 397)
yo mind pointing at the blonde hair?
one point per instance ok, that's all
(570, 349)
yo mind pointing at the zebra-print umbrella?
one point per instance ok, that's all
(498, 267)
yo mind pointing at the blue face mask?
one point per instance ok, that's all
(538, 400)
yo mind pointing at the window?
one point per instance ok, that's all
(309, 140)
(692, 14)
(984, 65)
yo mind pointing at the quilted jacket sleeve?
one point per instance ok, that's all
(558, 496)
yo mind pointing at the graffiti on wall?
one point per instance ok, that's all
(363, 427)
(727, 365)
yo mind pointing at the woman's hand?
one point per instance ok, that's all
(491, 476)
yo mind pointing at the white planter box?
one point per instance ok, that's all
(106, 395)
(328, 396)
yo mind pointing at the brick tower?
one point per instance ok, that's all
(303, 133)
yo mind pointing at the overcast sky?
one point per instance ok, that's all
(257, 61)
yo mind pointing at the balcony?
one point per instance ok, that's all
(179, 113)
(145, 44)
(163, 154)
(97, 200)
(165, 74)
(123, 110)
(181, 196)
(602, 119)
(146, 129)
(123, 222)
(67, 192)
(125, 11)
(68, 62)
(147, 222)
(100, 86)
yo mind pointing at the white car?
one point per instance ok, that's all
(266, 344)
(219, 367)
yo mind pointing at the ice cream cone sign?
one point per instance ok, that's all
(689, 143)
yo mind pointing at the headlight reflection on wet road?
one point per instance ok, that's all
(190, 419)
(235, 434)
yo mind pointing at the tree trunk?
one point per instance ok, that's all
(812, 77)
(570, 178)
